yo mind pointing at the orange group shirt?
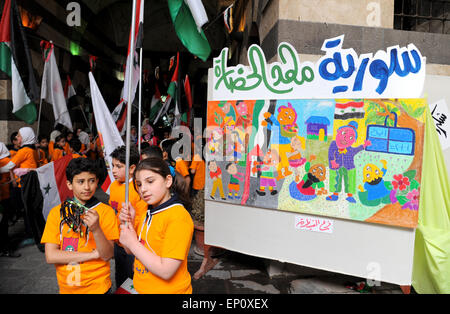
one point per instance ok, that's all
(26, 157)
(58, 153)
(4, 178)
(181, 167)
(42, 160)
(117, 197)
(170, 236)
(51, 144)
(199, 177)
(95, 275)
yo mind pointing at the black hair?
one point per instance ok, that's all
(57, 139)
(152, 151)
(228, 165)
(75, 144)
(144, 145)
(42, 137)
(13, 136)
(79, 165)
(120, 154)
(179, 185)
(166, 147)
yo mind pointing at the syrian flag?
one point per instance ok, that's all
(106, 127)
(69, 91)
(171, 93)
(119, 115)
(51, 89)
(188, 93)
(228, 18)
(15, 61)
(52, 182)
(156, 103)
(186, 19)
(132, 56)
(349, 110)
(126, 288)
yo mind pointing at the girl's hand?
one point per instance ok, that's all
(127, 214)
(127, 235)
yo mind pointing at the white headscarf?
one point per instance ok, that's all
(84, 138)
(28, 137)
(54, 135)
(4, 152)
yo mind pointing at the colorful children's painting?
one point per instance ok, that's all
(358, 159)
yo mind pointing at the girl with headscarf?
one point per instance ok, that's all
(147, 134)
(133, 135)
(27, 156)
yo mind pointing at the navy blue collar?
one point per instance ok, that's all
(172, 201)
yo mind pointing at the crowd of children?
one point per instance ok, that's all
(149, 237)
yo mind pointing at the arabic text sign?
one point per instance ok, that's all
(398, 72)
(440, 114)
(314, 224)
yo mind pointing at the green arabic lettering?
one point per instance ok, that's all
(221, 72)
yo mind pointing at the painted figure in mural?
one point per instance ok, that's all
(341, 156)
(313, 181)
(295, 156)
(243, 120)
(374, 191)
(215, 141)
(237, 146)
(283, 128)
(235, 177)
(216, 176)
(268, 168)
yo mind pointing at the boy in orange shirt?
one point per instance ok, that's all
(59, 148)
(75, 148)
(79, 234)
(123, 261)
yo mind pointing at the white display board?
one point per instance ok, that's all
(373, 251)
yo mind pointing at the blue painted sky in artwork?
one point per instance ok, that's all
(306, 108)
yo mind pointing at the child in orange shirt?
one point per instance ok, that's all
(124, 261)
(180, 165)
(59, 148)
(79, 234)
(75, 148)
(161, 245)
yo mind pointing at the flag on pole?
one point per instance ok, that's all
(156, 103)
(119, 115)
(106, 127)
(171, 92)
(15, 61)
(187, 91)
(69, 91)
(51, 89)
(52, 182)
(186, 28)
(132, 56)
(228, 18)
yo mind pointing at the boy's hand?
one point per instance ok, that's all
(91, 219)
(127, 235)
(127, 214)
(95, 254)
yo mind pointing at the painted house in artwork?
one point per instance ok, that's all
(317, 127)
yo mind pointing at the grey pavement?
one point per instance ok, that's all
(235, 273)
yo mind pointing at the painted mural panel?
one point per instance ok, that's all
(356, 159)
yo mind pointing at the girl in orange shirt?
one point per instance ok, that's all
(59, 148)
(27, 156)
(164, 237)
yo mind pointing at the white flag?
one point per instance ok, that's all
(51, 89)
(132, 56)
(106, 127)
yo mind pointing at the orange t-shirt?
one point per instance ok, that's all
(42, 160)
(94, 275)
(51, 144)
(67, 148)
(12, 152)
(182, 167)
(169, 236)
(117, 197)
(4, 179)
(75, 155)
(58, 153)
(199, 176)
(26, 157)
